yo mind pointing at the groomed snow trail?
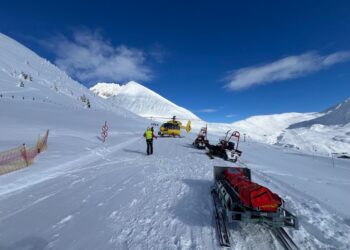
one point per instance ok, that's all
(128, 200)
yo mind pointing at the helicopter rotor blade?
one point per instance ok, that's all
(171, 118)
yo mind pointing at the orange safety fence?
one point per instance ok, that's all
(21, 157)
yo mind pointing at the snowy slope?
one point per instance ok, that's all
(318, 139)
(112, 196)
(141, 100)
(321, 133)
(267, 128)
(25, 75)
(327, 134)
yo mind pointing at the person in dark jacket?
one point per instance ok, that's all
(149, 135)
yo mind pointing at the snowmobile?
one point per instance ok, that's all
(226, 149)
(201, 141)
(237, 198)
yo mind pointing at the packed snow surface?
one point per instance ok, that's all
(85, 194)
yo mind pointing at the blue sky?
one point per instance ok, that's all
(224, 60)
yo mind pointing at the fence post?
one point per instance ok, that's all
(24, 154)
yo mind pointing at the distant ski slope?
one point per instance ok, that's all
(267, 128)
(306, 135)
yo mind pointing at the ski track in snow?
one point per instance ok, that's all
(128, 200)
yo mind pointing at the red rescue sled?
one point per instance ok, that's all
(250, 193)
(237, 198)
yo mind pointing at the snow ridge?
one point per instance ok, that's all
(336, 115)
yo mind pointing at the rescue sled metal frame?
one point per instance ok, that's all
(233, 209)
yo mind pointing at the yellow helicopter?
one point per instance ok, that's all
(172, 127)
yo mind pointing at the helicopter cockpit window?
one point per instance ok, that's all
(167, 126)
(171, 126)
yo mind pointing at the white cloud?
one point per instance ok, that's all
(230, 115)
(88, 56)
(208, 110)
(283, 69)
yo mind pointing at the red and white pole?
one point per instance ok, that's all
(104, 132)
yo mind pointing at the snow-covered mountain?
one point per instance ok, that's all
(141, 100)
(322, 133)
(318, 139)
(318, 132)
(106, 90)
(336, 115)
(267, 128)
(329, 133)
(26, 76)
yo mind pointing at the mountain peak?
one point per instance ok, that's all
(140, 100)
(132, 88)
(105, 90)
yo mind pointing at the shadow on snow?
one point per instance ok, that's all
(134, 151)
(29, 243)
(195, 206)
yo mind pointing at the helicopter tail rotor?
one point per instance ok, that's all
(188, 126)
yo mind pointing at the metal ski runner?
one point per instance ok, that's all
(284, 238)
(220, 221)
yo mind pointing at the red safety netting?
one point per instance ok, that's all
(21, 157)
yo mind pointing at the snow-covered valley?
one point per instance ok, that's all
(85, 194)
(322, 133)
